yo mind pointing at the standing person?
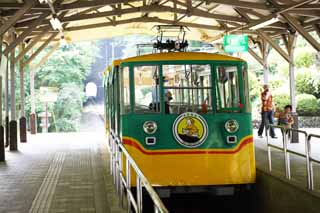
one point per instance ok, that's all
(156, 99)
(266, 111)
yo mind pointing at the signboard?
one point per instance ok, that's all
(48, 94)
(235, 43)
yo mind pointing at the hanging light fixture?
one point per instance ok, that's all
(265, 23)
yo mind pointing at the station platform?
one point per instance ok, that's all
(65, 172)
(69, 172)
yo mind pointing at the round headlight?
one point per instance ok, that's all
(231, 126)
(150, 127)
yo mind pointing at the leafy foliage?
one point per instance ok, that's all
(281, 99)
(68, 107)
(304, 58)
(66, 69)
(307, 104)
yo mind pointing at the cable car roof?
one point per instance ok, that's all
(181, 56)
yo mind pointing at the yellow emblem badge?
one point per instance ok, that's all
(190, 129)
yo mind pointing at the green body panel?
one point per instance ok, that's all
(131, 124)
(217, 134)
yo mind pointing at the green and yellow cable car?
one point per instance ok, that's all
(184, 117)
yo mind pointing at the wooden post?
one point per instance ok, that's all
(22, 120)
(33, 117)
(13, 122)
(2, 150)
(6, 100)
(291, 47)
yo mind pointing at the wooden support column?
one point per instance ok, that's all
(2, 150)
(22, 120)
(6, 100)
(290, 43)
(13, 122)
(33, 116)
(265, 49)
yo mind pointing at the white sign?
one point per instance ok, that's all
(48, 94)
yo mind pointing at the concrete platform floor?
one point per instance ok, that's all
(65, 172)
(297, 164)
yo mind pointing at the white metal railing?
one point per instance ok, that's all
(117, 150)
(287, 151)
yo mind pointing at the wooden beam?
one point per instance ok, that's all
(240, 4)
(45, 30)
(23, 35)
(297, 26)
(148, 9)
(31, 45)
(316, 27)
(18, 6)
(274, 45)
(88, 4)
(46, 57)
(255, 55)
(44, 45)
(12, 20)
(143, 19)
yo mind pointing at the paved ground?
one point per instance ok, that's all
(65, 172)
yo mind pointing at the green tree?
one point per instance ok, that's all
(304, 57)
(68, 107)
(66, 69)
(307, 104)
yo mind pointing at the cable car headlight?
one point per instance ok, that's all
(231, 126)
(150, 127)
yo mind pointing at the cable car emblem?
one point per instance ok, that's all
(190, 129)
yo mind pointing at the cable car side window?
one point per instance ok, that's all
(146, 89)
(190, 87)
(246, 88)
(228, 97)
(125, 90)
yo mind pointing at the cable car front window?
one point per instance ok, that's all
(227, 88)
(189, 87)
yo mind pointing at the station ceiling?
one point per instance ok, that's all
(207, 20)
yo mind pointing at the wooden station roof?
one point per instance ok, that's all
(207, 20)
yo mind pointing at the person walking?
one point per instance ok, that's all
(267, 111)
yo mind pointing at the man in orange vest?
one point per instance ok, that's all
(267, 111)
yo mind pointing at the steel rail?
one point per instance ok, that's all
(307, 155)
(118, 151)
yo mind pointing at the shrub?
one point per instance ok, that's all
(281, 100)
(304, 83)
(68, 108)
(307, 104)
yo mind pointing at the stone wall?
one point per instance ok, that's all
(309, 121)
(303, 122)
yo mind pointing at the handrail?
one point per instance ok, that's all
(287, 152)
(311, 159)
(116, 149)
